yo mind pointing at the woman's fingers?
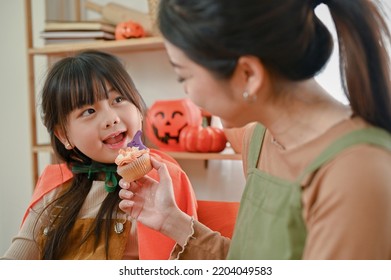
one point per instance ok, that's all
(125, 194)
(141, 194)
(132, 203)
(162, 170)
(123, 184)
(126, 205)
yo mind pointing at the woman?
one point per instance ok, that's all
(318, 181)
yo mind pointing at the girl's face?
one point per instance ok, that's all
(101, 129)
(218, 97)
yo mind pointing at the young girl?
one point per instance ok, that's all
(91, 109)
(318, 172)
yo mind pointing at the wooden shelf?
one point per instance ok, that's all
(130, 45)
(227, 154)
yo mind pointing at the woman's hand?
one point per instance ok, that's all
(153, 204)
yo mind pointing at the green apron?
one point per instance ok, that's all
(270, 224)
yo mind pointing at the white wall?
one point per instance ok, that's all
(15, 171)
(329, 78)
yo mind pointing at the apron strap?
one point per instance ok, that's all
(255, 145)
(370, 135)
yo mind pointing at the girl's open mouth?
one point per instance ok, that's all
(116, 141)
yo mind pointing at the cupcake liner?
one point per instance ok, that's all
(135, 170)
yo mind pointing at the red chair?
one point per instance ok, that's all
(218, 215)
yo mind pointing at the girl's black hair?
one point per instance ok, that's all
(291, 41)
(72, 83)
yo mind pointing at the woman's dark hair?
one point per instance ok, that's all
(72, 83)
(290, 40)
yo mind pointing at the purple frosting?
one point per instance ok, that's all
(137, 142)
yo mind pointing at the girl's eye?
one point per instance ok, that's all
(88, 112)
(119, 99)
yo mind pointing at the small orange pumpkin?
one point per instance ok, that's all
(203, 139)
(166, 119)
(129, 29)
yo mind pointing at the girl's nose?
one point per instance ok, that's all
(111, 119)
(111, 123)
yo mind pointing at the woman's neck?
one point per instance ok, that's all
(303, 114)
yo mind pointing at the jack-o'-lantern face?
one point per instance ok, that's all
(170, 125)
(128, 29)
(166, 119)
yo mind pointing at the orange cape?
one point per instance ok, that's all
(152, 244)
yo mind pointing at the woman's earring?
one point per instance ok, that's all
(67, 146)
(248, 97)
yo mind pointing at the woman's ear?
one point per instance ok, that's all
(253, 72)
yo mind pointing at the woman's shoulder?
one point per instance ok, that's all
(363, 160)
(358, 147)
(359, 173)
(351, 194)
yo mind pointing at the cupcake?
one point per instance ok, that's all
(134, 161)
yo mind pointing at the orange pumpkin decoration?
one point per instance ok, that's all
(203, 139)
(128, 29)
(166, 119)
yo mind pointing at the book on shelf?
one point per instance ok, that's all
(79, 25)
(55, 41)
(98, 34)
